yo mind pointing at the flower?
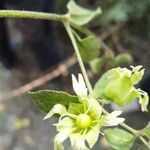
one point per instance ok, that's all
(81, 122)
(118, 86)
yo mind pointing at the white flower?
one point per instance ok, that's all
(113, 120)
(79, 86)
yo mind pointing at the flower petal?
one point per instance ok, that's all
(137, 74)
(78, 142)
(143, 99)
(92, 135)
(82, 84)
(57, 109)
(113, 119)
(114, 114)
(75, 84)
(95, 109)
(59, 138)
(66, 123)
(79, 86)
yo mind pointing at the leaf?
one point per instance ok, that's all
(119, 139)
(146, 131)
(88, 47)
(80, 15)
(97, 64)
(46, 99)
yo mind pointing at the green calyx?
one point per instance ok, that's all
(118, 86)
(83, 121)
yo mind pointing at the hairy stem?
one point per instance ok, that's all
(31, 15)
(69, 31)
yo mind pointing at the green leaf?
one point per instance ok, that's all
(119, 139)
(80, 15)
(88, 47)
(146, 131)
(46, 99)
(97, 64)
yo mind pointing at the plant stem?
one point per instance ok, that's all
(69, 31)
(133, 131)
(31, 15)
(145, 142)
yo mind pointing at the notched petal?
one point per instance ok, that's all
(57, 109)
(143, 99)
(78, 142)
(92, 135)
(113, 120)
(59, 139)
(79, 86)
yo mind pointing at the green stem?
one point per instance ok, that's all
(69, 31)
(31, 15)
(145, 142)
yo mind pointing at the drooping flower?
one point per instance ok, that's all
(81, 122)
(118, 86)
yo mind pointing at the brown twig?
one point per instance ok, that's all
(59, 70)
(114, 29)
(117, 43)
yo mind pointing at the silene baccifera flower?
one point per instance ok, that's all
(81, 122)
(118, 86)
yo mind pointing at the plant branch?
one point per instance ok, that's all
(69, 31)
(88, 32)
(31, 15)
